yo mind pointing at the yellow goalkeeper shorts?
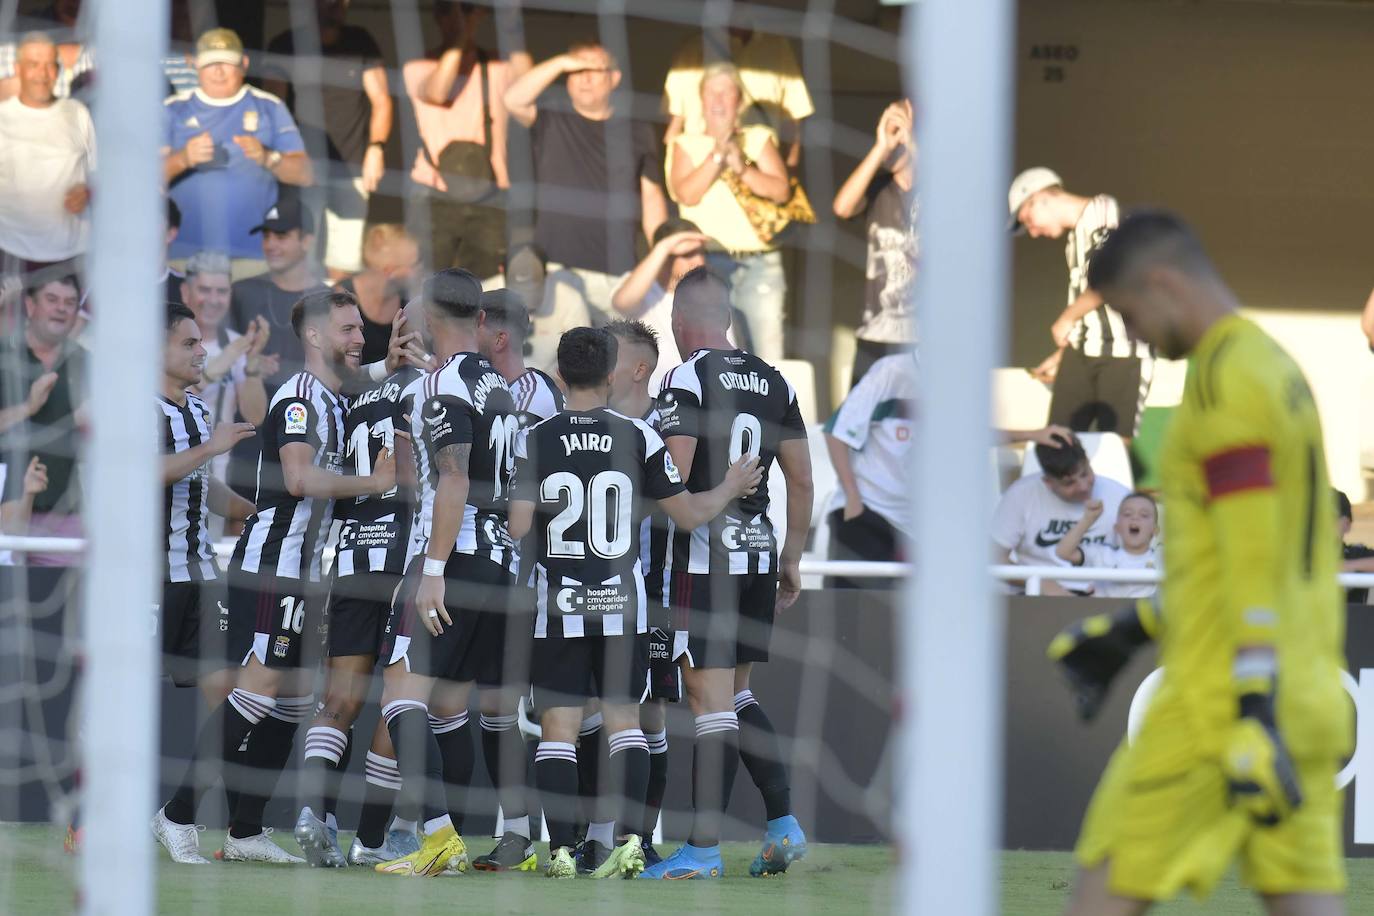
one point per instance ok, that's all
(1161, 822)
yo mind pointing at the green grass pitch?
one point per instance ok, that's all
(36, 877)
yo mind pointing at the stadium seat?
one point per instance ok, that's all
(1018, 400)
(802, 375)
(1106, 453)
(824, 482)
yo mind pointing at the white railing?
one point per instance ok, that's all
(1033, 576)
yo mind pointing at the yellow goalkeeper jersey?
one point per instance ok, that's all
(1250, 548)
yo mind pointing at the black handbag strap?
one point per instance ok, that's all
(486, 113)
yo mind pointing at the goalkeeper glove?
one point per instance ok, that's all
(1093, 651)
(1259, 773)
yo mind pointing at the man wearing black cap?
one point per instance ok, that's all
(288, 236)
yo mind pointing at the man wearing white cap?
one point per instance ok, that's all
(1100, 375)
(225, 147)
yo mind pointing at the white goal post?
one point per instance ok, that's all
(119, 691)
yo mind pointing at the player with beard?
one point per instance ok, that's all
(373, 542)
(274, 585)
(636, 363)
(458, 582)
(502, 328)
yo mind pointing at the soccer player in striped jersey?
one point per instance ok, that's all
(191, 605)
(190, 593)
(502, 328)
(729, 579)
(370, 558)
(274, 581)
(458, 583)
(582, 479)
(636, 362)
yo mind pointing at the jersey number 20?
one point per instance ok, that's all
(606, 502)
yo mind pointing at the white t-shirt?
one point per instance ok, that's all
(1109, 556)
(1030, 520)
(222, 396)
(875, 422)
(44, 152)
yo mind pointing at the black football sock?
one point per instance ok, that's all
(716, 762)
(417, 758)
(456, 753)
(657, 782)
(762, 755)
(629, 759)
(325, 748)
(591, 753)
(379, 798)
(503, 750)
(216, 746)
(333, 785)
(555, 768)
(269, 750)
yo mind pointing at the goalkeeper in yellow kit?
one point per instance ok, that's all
(1237, 755)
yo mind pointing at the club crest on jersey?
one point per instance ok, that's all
(250, 120)
(295, 419)
(282, 646)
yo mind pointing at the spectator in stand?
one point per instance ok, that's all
(1037, 511)
(75, 63)
(17, 511)
(45, 356)
(179, 64)
(391, 258)
(227, 145)
(171, 277)
(769, 73)
(345, 119)
(869, 438)
(553, 308)
(703, 168)
(1137, 522)
(882, 185)
(1101, 376)
(288, 237)
(1357, 557)
(47, 157)
(458, 94)
(646, 293)
(234, 363)
(599, 172)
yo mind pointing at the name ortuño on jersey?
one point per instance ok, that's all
(186, 531)
(286, 535)
(466, 402)
(732, 403)
(374, 535)
(590, 476)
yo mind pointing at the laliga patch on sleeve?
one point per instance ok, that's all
(295, 419)
(674, 476)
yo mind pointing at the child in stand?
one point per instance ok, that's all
(1137, 521)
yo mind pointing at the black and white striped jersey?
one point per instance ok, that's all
(732, 403)
(537, 397)
(1101, 332)
(466, 402)
(286, 535)
(655, 557)
(590, 475)
(374, 535)
(185, 503)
